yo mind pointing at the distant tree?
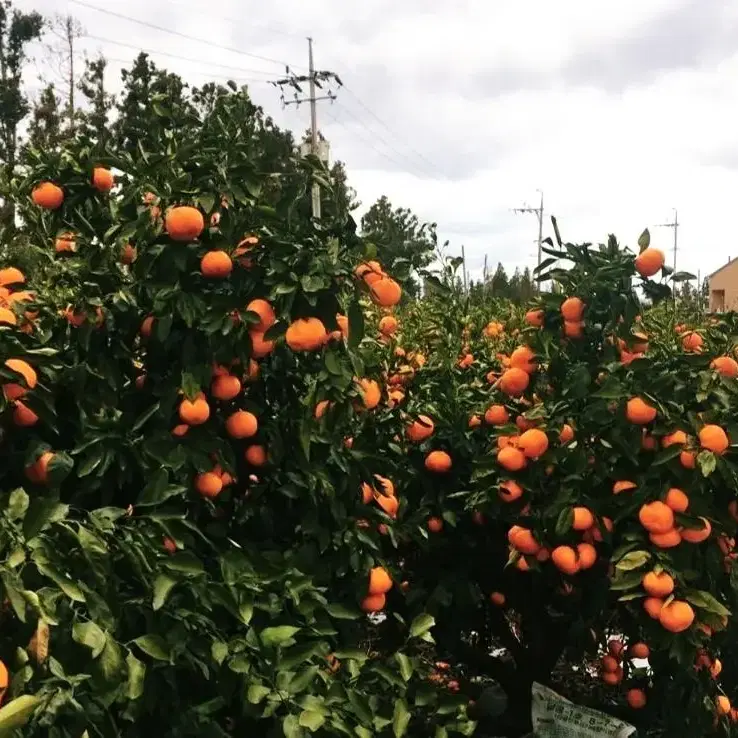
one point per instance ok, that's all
(45, 127)
(94, 118)
(499, 284)
(404, 244)
(527, 287)
(17, 30)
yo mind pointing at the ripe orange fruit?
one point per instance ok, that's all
(420, 430)
(264, 310)
(623, 485)
(636, 698)
(497, 598)
(583, 519)
(23, 416)
(534, 318)
(65, 244)
(696, 535)
(523, 358)
(496, 415)
(184, 223)
(572, 309)
(322, 408)
(169, 545)
(510, 491)
(38, 472)
(692, 342)
(649, 261)
(388, 325)
(677, 616)
(565, 559)
(389, 504)
(653, 606)
(225, 387)
(639, 651)
(343, 325)
(256, 455)
(180, 430)
(726, 366)
(435, 525)
(14, 390)
(385, 292)
(102, 179)
(514, 381)
(587, 555)
(677, 500)
(638, 411)
(522, 540)
(678, 437)
(209, 484)
(573, 328)
(194, 412)
(612, 678)
(438, 462)
(380, 581)
(609, 663)
(566, 434)
(7, 317)
(47, 195)
(216, 264)
(511, 458)
(658, 585)
(688, 459)
(147, 326)
(670, 539)
(722, 705)
(373, 603)
(260, 347)
(713, 438)
(306, 334)
(371, 394)
(242, 424)
(656, 517)
(11, 276)
(533, 443)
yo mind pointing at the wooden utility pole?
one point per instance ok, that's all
(67, 29)
(315, 79)
(675, 225)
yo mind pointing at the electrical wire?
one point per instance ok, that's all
(179, 34)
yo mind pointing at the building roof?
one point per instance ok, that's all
(730, 262)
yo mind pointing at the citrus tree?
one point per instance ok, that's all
(186, 546)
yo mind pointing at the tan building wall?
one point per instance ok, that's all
(724, 288)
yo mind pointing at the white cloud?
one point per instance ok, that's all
(618, 111)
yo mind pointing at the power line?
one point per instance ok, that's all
(177, 56)
(179, 34)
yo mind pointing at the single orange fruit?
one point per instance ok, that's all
(194, 412)
(256, 455)
(677, 500)
(587, 555)
(260, 347)
(523, 540)
(371, 394)
(722, 705)
(572, 309)
(583, 519)
(242, 424)
(713, 438)
(696, 535)
(373, 603)
(534, 318)
(216, 264)
(388, 325)
(533, 443)
(670, 539)
(511, 458)
(225, 387)
(306, 334)
(565, 559)
(380, 581)
(510, 491)
(573, 328)
(184, 223)
(726, 366)
(653, 606)
(638, 411)
(497, 598)
(636, 698)
(385, 292)
(656, 517)
(13, 390)
(209, 484)
(47, 195)
(102, 179)
(609, 663)
(658, 585)
(438, 462)
(514, 381)
(496, 415)
(566, 434)
(678, 437)
(435, 525)
(623, 485)
(420, 430)
(649, 261)
(677, 616)
(23, 416)
(7, 317)
(265, 311)
(692, 342)
(523, 358)
(639, 651)
(128, 254)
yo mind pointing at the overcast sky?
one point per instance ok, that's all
(619, 111)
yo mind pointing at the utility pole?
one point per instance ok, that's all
(675, 225)
(315, 79)
(539, 214)
(67, 30)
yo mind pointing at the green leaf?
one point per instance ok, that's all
(341, 613)
(184, 562)
(706, 601)
(400, 718)
(17, 713)
(564, 521)
(707, 462)
(644, 240)
(219, 652)
(633, 560)
(66, 585)
(163, 585)
(18, 504)
(154, 646)
(298, 654)
(278, 636)
(136, 677)
(90, 635)
(421, 625)
(256, 693)
(311, 720)
(302, 680)
(406, 667)
(666, 454)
